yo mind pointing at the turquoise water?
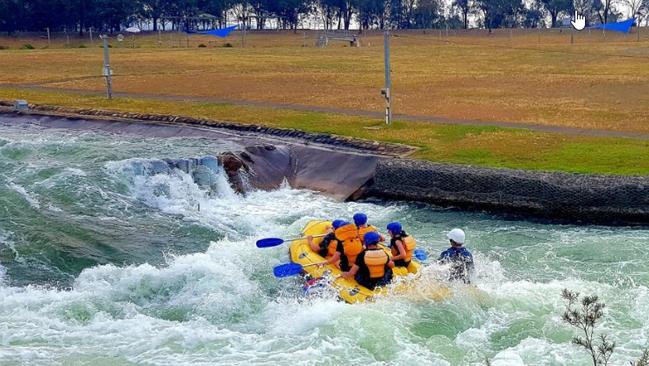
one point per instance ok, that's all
(103, 265)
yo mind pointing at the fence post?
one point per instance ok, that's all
(107, 71)
(388, 79)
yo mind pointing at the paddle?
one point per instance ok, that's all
(290, 269)
(273, 242)
(420, 254)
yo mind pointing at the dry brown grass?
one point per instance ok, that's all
(529, 77)
(485, 146)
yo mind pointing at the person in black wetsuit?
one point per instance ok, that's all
(373, 266)
(327, 247)
(458, 257)
(402, 245)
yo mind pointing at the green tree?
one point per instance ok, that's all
(371, 13)
(464, 6)
(427, 14)
(154, 10)
(500, 13)
(556, 8)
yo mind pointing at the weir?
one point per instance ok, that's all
(360, 170)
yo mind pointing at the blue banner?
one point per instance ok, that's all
(623, 27)
(220, 32)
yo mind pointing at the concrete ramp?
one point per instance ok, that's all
(337, 174)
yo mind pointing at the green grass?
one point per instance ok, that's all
(462, 144)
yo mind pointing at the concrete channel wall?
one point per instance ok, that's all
(351, 169)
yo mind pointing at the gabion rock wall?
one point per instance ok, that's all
(575, 197)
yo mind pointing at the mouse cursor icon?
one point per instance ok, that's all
(579, 22)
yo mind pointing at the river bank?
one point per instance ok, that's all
(366, 169)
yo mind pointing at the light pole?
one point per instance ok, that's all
(107, 72)
(386, 92)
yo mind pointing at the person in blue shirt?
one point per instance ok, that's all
(458, 257)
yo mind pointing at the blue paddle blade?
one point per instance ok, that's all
(269, 242)
(421, 255)
(286, 270)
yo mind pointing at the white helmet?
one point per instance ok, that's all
(457, 235)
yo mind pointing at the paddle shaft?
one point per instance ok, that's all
(302, 238)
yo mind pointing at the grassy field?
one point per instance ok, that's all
(484, 146)
(601, 82)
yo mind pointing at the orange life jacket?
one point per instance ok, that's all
(351, 249)
(364, 230)
(346, 232)
(352, 245)
(409, 245)
(375, 260)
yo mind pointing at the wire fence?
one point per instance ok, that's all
(533, 39)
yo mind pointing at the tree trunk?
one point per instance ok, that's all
(155, 23)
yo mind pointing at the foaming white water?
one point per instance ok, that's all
(176, 192)
(33, 201)
(221, 304)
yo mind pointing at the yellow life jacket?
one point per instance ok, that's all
(375, 260)
(364, 230)
(409, 245)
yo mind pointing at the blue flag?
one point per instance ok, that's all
(220, 32)
(623, 27)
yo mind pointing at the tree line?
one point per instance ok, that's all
(112, 15)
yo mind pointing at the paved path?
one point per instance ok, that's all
(370, 114)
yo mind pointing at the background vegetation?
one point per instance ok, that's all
(81, 15)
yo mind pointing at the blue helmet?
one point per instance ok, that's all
(360, 219)
(371, 238)
(395, 227)
(338, 223)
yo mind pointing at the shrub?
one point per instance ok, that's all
(585, 318)
(82, 46)
(27, 46)
(202, 45)
(3, 47)
(228, 45)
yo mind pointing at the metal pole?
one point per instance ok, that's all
(107, 70)
(49, 38)
(243, 33)
(388, 79)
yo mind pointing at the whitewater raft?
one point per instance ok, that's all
(404, 280)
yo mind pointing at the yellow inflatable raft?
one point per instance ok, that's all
(349, 290)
